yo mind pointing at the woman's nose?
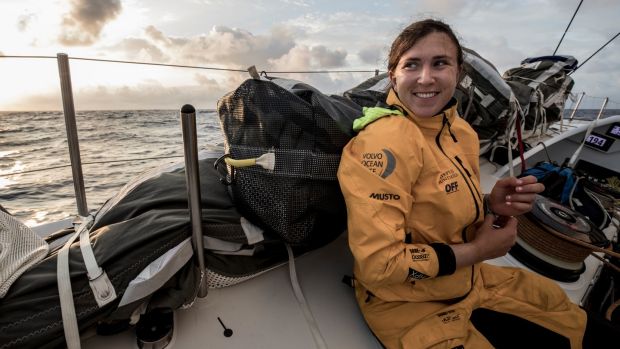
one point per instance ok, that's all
(426, 75)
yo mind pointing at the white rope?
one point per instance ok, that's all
(511, 130)
(100, 284)
(600, 205)
(65, 293)
(314, 328)
(102, 288)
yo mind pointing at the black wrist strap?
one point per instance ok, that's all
(487, 206)
(447, 260)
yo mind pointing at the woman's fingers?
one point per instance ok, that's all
(520, 207)
(530, 188)
(524, 198)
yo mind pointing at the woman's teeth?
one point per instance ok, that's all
(426, 94)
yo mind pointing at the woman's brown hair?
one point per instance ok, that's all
(416, 31)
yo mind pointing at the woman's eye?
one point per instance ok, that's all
(410, 65)
(441, 63)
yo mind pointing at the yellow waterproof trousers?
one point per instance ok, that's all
(447, 324)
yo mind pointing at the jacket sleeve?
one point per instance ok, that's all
(376, 173)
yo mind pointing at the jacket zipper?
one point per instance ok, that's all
(464, 231)
(460, 169)
(468, 174)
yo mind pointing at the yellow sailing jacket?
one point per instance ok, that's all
(412, 186)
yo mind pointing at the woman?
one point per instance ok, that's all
(417, 224)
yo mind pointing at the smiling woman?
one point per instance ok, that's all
(420, 281)
(426, 74)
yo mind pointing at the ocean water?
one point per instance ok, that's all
(30, 141)
(591, 114)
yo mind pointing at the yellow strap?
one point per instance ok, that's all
(240, 162)
(371, 115)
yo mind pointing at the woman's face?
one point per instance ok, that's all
(426, 75)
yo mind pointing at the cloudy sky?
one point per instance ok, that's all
(273, 35)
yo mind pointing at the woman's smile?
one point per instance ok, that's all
(426, 94)
(426, 75)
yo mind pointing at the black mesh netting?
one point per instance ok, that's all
(300, 199)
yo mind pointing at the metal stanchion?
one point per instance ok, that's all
(573, 159)
(72, 136)
(190, 146)
(572, 115)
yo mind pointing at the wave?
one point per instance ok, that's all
(38, 140)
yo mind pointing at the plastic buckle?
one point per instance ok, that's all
(226, 177)
(102, 288)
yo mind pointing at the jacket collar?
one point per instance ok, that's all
(435, 122)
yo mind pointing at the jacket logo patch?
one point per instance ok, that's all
(416, 275)
(452, 187)
(449, 316)
(382, 163)
(419, 254)
(384, 196)
(447, 175)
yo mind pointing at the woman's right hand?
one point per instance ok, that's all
(492, 241)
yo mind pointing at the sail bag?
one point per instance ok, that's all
(484, 97)
(141, 239)
(303, 131)
(549, 80)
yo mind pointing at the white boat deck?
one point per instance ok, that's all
(264, 313)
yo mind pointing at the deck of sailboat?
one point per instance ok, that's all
(264, 313)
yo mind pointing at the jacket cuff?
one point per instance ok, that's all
(486, 204)
(445, 257)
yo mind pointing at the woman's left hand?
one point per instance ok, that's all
(514, 196)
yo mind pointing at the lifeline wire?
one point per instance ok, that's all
(193, 66)
(597, 51)
(92, 163)
(568, 26)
